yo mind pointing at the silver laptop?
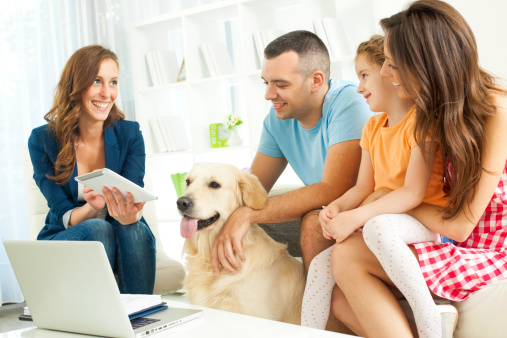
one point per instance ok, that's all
(69, 286)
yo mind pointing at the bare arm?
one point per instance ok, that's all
(400, 200)
(83, 213)
(495, 158)
(94, 203)
(364, 187)
(268, 169)
(339, 175)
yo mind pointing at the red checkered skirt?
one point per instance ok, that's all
(456, 271)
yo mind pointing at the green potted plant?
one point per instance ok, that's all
(231, 122)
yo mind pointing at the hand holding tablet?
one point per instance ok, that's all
(96, 180)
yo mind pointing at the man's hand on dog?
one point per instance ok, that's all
(228, 242)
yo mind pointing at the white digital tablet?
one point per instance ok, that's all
(96, 180)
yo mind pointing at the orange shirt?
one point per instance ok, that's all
(390, 149)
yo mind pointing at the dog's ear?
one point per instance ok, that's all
(252, 191)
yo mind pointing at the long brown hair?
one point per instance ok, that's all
(436, 54)
(63, 118)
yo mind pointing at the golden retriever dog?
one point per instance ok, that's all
(270, 283)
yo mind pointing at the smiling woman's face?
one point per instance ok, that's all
(390, 70)
(98, 100)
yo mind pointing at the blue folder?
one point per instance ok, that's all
(148, 311)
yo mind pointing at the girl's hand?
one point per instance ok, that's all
(125, 212)
(93, 198)
(344, 224)
(326, 215)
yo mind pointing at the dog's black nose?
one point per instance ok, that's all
(184, 203)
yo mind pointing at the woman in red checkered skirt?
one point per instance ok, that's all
(433, 57)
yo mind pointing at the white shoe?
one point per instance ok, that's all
(449, 316)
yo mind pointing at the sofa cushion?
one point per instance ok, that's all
(484, 313)
(287, 233)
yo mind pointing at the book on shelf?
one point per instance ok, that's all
(168, 65)
(156, 131)
(217, 58)
(163, 66)
(165, 127)
(150, 62)
(207, 59)
(262, 38)
(336, 37)
(321, 33)
(173, 132)
(270, 34)
(135, 305)
(259, 46)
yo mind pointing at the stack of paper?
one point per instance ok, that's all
(133, 303)
(331, 32)
(263, 38)
(163, 66)
(217, 58)
(136, 303)
(169, 133)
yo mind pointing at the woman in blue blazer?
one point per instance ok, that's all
(86, 131)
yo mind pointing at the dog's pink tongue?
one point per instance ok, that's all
(188, 227)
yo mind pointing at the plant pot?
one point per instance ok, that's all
(235, 139)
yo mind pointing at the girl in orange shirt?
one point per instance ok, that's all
(393, 161)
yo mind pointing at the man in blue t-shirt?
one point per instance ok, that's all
(315, 125)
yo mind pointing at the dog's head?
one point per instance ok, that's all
(213, 191)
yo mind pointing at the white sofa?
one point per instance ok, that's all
(482, 315)
(169, 273)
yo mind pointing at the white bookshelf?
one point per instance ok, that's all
(201, 99)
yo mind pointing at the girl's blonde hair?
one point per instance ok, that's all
(373, 49)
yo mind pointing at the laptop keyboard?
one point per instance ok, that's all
(142, 321)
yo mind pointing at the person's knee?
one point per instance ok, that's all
(97, 230)
(340, 260)
(339, 303)
(101, 231)
(136, 233)
(310, 228)
(375, 226)
(345, 258)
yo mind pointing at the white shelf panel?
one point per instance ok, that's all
(203, 99)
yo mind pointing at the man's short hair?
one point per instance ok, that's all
(312, 52)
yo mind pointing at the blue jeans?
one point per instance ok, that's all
(129, 248)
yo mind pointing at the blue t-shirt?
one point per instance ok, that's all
(344, 114)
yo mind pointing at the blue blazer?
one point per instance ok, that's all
(125, 155)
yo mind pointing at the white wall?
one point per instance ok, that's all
(488, 22)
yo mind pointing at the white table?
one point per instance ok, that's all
(213, 324)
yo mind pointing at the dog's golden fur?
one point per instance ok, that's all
(270, 283)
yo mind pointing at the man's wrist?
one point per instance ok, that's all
(248, 214)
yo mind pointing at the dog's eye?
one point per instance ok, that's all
(214, 185)
(188, 182)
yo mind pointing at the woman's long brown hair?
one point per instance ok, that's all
(77, 76)
(436, 55)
